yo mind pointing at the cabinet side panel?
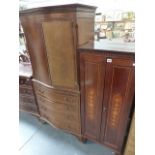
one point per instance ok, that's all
(58, 35)
(130, 146)
(85, 23)
(85, 30)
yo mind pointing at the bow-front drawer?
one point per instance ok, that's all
(59, 110)
(55, 95)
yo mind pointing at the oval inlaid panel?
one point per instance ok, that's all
(91, 104)
(116, 107)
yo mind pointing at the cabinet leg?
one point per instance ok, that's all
(82, 139)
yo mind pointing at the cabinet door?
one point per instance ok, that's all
(92, 72)
(33, 32)
(60, 47)
(118, 97)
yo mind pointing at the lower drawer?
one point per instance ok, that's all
(63, 115)
(65, 124)
(28, 104)
(58, 106)
(59, 111)
(24, 106)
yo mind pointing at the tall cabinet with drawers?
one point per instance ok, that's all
(53, 34)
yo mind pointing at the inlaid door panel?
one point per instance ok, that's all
(92, 70)
(119, 89)
(60, 47)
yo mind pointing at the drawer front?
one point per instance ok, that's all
(26, 91)
(28, 104)
(27, 99)
(73, 127)
(64, 111)
(56, 96)
(59, 106)
(65, 125)
(62, 115)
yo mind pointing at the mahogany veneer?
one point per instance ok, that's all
(53, 34)
(107, 92)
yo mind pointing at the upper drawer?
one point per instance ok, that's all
(55, 95)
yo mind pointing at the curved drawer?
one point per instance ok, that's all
(59, 110)
(61, 106)
(55, 95)
(69, 127)
(65, 124)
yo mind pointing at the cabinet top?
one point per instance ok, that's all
(110, 46)
(63, 7)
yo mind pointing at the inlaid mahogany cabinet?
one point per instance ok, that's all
(53, 34)
(107, 90)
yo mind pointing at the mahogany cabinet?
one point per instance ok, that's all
(53, 34)
(107, 91)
